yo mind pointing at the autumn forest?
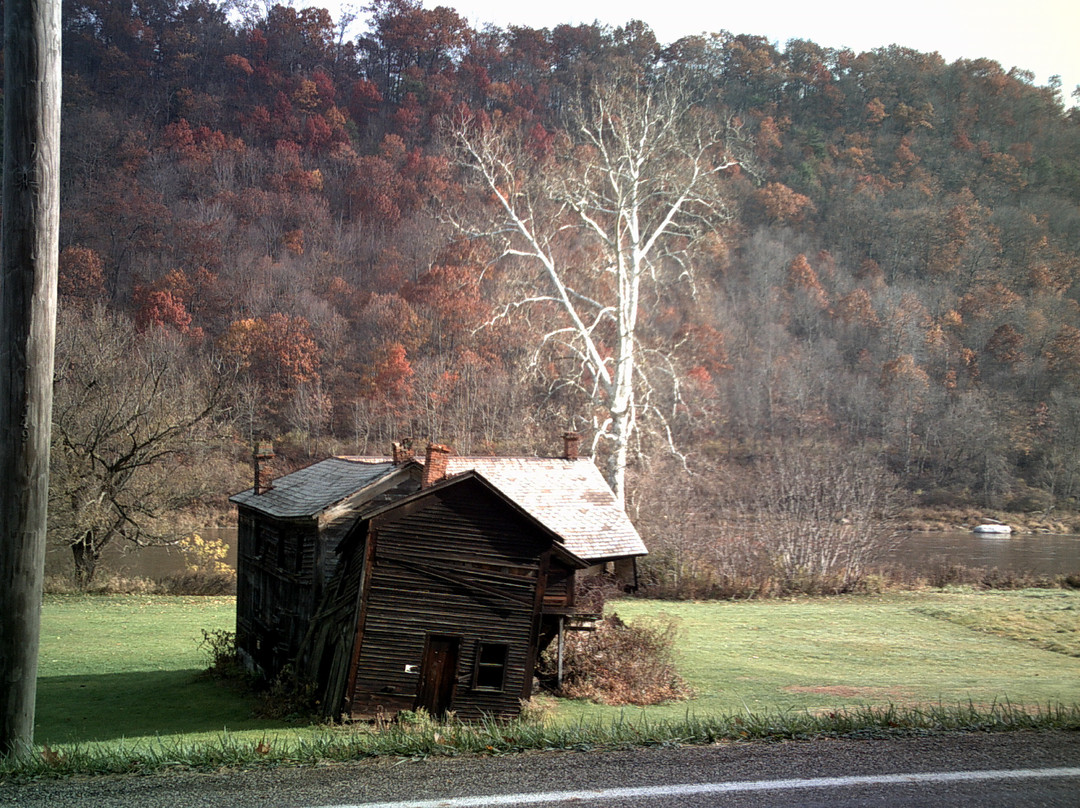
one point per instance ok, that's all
(718, 259)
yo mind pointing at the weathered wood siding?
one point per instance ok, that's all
(336, 523)
(458, 563)
(276, 590)
(559, 589)
(284, 567)
(326, 654)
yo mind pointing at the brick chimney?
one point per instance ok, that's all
(402, 451)
(435, 464)
(571, 445)
(262, 455)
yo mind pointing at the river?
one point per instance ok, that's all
(1039, 553)
(1042, 554)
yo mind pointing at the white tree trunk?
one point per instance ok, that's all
(638, 183)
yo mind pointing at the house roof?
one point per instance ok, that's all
(315, 488)
(461, 479)
(568, 497)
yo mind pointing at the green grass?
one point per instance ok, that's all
(1039, 617)
(904, 648)
(120, 686)
(128, 666)
(431, 739)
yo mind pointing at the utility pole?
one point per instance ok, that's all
(29, 254)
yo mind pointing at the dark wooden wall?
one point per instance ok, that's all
(276, 588)
(283, 567)
(458, 563)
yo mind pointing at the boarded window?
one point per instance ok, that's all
(490, 670)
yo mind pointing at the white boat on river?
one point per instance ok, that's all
(992, 529)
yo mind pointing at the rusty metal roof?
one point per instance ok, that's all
(313, 489)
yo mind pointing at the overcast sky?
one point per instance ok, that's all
(1042, 36)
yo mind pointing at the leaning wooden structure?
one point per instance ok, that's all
(397, 583)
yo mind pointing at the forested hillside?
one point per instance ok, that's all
(878, 251)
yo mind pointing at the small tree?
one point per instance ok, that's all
(133, 415)
(819, 519)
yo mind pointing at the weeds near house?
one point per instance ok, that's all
(287, 698)
(621, 664)
(219, 646)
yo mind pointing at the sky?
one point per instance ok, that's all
(1042, 36)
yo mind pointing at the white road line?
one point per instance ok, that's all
(691, 789)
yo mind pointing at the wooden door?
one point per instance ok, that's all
(438, 675)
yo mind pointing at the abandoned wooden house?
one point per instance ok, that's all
(398, 583)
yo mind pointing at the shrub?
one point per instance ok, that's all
(200, 582)
(205, 556)
(288, 698)
(620, 663)
(222, 657)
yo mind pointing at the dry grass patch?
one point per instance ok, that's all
(1047, 620)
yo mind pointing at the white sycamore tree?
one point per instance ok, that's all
(601, 219)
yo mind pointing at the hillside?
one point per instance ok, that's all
(889, 264)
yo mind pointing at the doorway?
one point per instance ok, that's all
(438, 674)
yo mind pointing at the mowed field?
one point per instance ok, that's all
(128, 667)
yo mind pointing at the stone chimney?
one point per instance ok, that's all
(402, 451)
(435, 464)
(262, 455)
(571, 445)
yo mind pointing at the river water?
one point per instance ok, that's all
(1042, 554)
(1039, 553)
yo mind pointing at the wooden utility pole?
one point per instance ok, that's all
(29, 246)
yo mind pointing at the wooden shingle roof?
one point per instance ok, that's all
(313, 489)
(569, 497)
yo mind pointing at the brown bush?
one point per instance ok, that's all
(621, 664)
(994, 578)
(186, 583)
(200, 583)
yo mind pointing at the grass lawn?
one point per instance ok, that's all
(902, 648)
(127, 666)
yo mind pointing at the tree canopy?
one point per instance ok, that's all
(827, 248)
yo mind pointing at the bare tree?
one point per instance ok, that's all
(603, 217)
(134, 417)
(819, 517)
(30, 248)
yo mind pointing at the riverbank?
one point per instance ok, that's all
(936, 519)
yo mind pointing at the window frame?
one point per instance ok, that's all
(484, 668)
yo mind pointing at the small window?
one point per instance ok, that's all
(490, 670)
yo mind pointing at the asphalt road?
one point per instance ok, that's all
(1006, 769)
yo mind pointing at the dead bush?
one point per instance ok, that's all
(200, 582)
(288, 698)
(620, 663)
